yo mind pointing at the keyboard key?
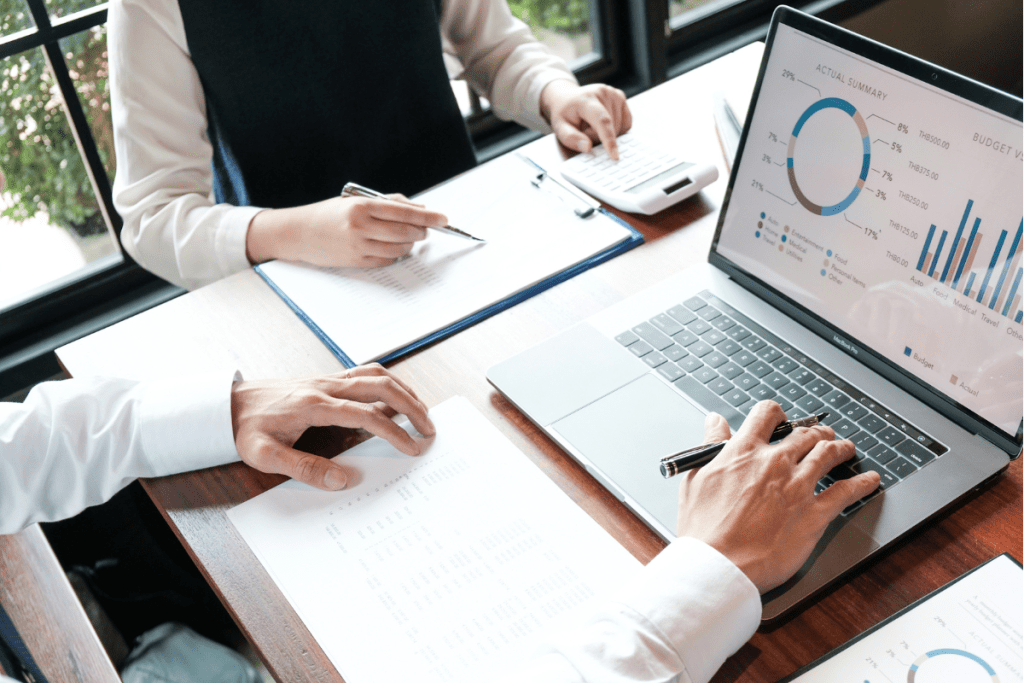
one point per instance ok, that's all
(882, 453)
(681, 314)
(901, 467)
(713, 337)
(736, 397)
(801, 376)
(700, 348)
(746, 382)
(690, 364)
(744, 358)
(809, 403)
(666, 324)
(695, 303)
(818, 387)
(759, 368)
(762, 392)
(729, 347)
(684, 338)
(654, 359)
(792, 392)
(674, 352)
(776, 380)
(769, 354)
(890, 436)
(784, 404)
(737, 333)
(670, 371)
(831, 418)
(853, 411)
(871, 423)
(836, 399)
(626, 338)
(709, 313)
(723, 323)
(704, 374)
(888, 478)
(744, 408)
(715, 359)
(915, 453)
(640, 349)
(753, 344)
(863, 441)
(720, 385)
(844, 429)
(785, 365)
(652, 336)
(730, 370)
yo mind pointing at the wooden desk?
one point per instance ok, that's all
(241, 322)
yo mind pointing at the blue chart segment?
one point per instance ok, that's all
(916, 666)
(996, 286)
(842, 105)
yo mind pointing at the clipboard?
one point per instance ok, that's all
(448, 276)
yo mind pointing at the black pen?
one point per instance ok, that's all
(691, 458)
(356, 190)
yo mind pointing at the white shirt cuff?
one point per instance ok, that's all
(186, 423)
(229, 245)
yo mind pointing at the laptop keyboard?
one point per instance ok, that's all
(727, 363)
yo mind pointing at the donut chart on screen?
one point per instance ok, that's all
(920, 661)
(842, 105)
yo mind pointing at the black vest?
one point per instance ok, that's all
(303, 96)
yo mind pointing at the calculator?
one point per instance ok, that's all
(645, 179)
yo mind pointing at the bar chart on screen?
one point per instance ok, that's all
(989, 274)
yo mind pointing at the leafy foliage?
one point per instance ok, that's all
(38, 153)
(564, 16)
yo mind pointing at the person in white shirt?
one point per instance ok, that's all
(747, 520)
(235, 131)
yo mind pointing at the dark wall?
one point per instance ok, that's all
(978, 38)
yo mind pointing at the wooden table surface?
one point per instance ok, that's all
(240, 322)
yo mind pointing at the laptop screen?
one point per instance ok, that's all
(889, 209)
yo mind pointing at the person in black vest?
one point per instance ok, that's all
(237, 124)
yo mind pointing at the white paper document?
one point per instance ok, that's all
(531, 234)
(969, 632)
(449, 566)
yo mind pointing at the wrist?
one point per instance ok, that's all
(269, 235)
(554, 95)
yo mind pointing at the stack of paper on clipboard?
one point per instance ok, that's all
(534, 240)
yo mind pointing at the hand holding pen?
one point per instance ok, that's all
(694, 457)
(356, 190)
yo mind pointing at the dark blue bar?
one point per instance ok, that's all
(924, 251)
(1019, 316)
(991, 266)
(1013, 293)
(1006, 266)
(938, 250)
(967, 252)
(956, 240)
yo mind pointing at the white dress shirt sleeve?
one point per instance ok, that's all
(77, 442)
(678, 619)
(502, 60)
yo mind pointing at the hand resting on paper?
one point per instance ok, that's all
(269, 416)
(349, 232)
(755, 501)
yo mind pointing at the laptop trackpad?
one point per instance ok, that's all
(627, 432)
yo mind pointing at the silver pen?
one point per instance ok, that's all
(357, 190)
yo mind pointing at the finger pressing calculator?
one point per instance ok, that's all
(644, 180)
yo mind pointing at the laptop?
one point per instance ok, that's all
(866, 262)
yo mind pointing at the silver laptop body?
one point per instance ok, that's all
(867, 258)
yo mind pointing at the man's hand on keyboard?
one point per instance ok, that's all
(755, 501)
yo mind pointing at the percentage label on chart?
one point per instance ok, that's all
(873, 234)
(765, 158)
(880, 195)
(757, 186)
(786, 73)
(772, 137)
(903, 128)
(886, 175)
(898, 147)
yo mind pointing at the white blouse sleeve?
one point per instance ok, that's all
(678, 620)
(501, 59)
(164, 183)
(76, 443)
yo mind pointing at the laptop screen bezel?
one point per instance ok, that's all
(996, 100)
